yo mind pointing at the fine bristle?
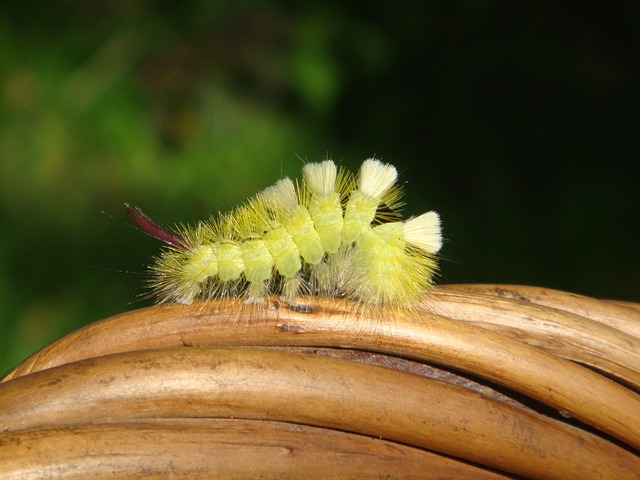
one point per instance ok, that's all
(320, 177)
(424, 232)
(281, 197)
(376, 177)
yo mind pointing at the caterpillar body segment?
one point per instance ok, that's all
(325, 203)
(332, 235)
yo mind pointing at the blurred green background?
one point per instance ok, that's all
(518, 122)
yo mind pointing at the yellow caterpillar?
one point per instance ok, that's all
(332, 235)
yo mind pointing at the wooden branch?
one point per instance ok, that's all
(217, 448)
(166, 362)
(623, 316)
(563, 333)
(312, 390)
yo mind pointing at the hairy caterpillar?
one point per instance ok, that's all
(334, 234)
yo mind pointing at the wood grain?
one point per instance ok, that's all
(233, 449)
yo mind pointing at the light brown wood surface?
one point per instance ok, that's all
(479, 381)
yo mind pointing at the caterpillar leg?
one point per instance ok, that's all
(255, 292)
(290, 289)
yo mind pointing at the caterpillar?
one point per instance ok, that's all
(333, 234)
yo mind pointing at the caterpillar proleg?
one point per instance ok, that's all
(333, 234)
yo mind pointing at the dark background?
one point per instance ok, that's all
(518, 122)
